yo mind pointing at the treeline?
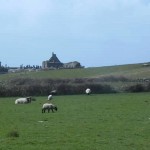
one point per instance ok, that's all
(3, 69)
(42, 87)
(30, 67)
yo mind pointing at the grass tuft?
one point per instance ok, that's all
(13, 134)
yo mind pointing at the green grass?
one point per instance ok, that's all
(132, 71)
(96, 122)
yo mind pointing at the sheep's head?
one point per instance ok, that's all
(55, 107)
(29, 99)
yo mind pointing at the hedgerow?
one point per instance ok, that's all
(42, 87)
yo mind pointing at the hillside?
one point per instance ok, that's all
(110, 79)
(133, 71)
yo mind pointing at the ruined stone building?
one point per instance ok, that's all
(55, 63)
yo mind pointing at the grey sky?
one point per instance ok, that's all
(93, 32)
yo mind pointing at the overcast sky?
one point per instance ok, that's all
(93, 32)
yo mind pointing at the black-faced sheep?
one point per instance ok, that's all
(23, 100)
(48, 107)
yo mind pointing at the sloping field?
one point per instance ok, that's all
(133, 71)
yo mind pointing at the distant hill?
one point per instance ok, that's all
(133, 71)
(108, 79)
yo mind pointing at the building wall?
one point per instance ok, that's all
(54, 62)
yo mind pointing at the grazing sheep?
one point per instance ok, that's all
(54, 92)
(23, 100)
(88, 91)
(48, 106)
(50, 97)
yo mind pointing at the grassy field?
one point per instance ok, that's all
(132, 71)
(95, 122)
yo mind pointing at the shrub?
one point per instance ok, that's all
(148, 87)
(135, 88)
(42, 87)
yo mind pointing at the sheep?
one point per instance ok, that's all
(23, 100)
(50, 97)
(88, 91)
(54, 92)
(48, 106)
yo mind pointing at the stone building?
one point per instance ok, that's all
(72, 65)
(52, 63)
(55, 63)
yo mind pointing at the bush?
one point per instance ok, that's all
(42, 87)
(135, 88)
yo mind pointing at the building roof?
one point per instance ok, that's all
(54, 59)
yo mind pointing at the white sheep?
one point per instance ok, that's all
(50, 97)
(23, 100)
(48, 106)
(88, 91)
